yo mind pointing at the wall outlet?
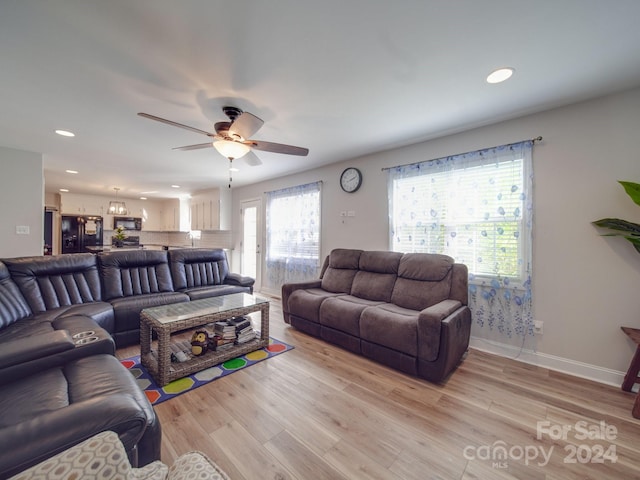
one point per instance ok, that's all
(538, 327)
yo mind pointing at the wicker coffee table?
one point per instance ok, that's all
(167, 319)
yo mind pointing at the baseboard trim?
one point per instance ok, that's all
(552, 362)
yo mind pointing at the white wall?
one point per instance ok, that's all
(585, 286)
(22, 200)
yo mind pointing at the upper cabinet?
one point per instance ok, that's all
(75, 204)
(211, 210)
(174, 215)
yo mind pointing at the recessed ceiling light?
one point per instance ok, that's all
(500, 75)
(233, 169)
(143, 198)
(65, 133)
(64, 189)
(150, 192)
(71, 171)
(175, 186)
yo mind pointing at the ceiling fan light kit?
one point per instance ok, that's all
(230, 149)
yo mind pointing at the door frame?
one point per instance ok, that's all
(257, 203)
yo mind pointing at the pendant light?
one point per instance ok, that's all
(116, 207)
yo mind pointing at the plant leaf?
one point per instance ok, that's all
(618, 225)
(633, 190)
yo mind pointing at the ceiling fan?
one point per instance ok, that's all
(232, 139)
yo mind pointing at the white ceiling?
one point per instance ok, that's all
(341, 77)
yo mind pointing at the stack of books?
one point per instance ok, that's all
(222, 336)
(223, 329)
(244, 330)
(234, 331)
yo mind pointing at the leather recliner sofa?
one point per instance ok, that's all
(407, 311)
(61, 318)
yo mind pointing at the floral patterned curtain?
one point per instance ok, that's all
(293, 236)
(476, 207)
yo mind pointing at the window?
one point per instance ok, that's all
(472, 212)
(472, 207)
(293, 235)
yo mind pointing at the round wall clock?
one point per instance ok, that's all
(351, 179)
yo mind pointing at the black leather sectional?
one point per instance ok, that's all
(61, 319)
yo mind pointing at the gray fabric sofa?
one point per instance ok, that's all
(59, 391)
(408, 311)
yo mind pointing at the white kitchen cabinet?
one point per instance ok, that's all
(211, 210)
(152, 218)
(76, 204)
(170, 215)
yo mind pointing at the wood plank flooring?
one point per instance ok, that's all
(320, 412)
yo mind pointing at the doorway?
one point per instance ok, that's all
(250, 247)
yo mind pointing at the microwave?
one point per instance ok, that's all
(128, 223)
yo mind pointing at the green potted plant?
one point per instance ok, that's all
(624, 228)
(119, 236)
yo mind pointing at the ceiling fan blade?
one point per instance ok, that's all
(246, 125)
(252, 159)
(277, 147)
(175, 124)
(194, 147)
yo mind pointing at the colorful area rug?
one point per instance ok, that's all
(157, 394)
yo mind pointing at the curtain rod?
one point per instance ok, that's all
(534, 140)
(294, 186)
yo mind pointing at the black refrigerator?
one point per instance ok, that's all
(80, 232)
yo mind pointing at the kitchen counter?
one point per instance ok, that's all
(108, 248)
(146, 246)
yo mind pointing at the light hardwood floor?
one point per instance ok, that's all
(320, 412)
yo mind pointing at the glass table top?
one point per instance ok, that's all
(181, 311)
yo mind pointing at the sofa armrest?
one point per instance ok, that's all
(430, 327)
(289, 288)
(26, 349)
(45, 435)
(239, 280)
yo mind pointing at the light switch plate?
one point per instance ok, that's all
(22, 230)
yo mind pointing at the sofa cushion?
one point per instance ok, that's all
(345, 258)
(391, 326)
(373, 286)
(198, 267)
(51, 410)
(423, 280)
(56, 281)
(425, 266)
(127, 309)
(380, 262)
(343, 313)
(376, 276)
(134, 272)
(102, 456)
(99, 312)
(13, 306)
(95, 341)
(343, 266)
(196, 293)
(306, 303)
